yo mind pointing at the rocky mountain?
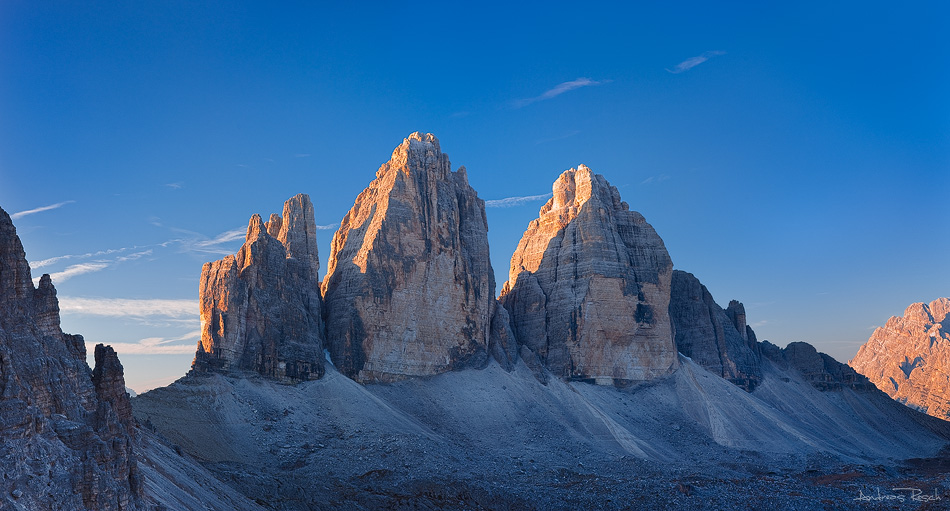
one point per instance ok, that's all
(261, 310)
(442, 397)
(909, 358)
(589, 286)
(718, 340)
(69, 438)
(409, 289)
(67, 432)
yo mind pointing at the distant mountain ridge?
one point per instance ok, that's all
(909, 358)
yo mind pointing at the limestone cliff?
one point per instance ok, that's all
(717, 339)
(909, 358)
(409, 289)
(67, 433)
(589, 286)
(261, 309)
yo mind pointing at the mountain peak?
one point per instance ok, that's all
(908, 358)
(589, 286)
(416, 239)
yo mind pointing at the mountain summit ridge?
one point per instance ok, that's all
(909, 357)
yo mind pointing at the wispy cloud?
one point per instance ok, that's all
(692, 62)
(559, 137)
(174, 186)
(510, 202)
(76, 269)
(132, 257)
(327, 227)
(655, 179)
(128, 307)
(155, 345)
(302, 155)
(559, 89)
(53, 260)
(22, 214)
(760, 323)
(222, 244)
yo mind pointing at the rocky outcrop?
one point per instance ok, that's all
(409, 289)
(718, 340)
(68, 437)
(261, 308)
(909, 358)
(589, 286)
(819, 369)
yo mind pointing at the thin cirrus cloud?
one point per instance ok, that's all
(222, 244)
(41, 209)
(74, 270)
(155, 345)
(128, 307)
(327, 227)
(692, 62)
(655, 179)
(510, 202)
(53, 260)
(559, 89)
(82, 268)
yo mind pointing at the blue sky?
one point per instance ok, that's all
(794, 157)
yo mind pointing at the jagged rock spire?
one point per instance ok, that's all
(261, 310)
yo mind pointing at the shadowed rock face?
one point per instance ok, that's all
(409, 289)
(589, 286)
(67, 433)
(820, 369)
(261, 308)
(717, 339)
(909, 358)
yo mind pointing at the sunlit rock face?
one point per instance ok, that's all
(589, 286)
(409, 289)
(261, 310)
(909, 358)
(717, 339)
(67, 432)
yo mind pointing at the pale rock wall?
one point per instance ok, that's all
(589, 286)
(409, 289)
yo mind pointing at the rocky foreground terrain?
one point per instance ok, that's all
(909, 358)
(601, 379)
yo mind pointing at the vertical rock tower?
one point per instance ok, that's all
(261, 308)
(67, 433)
(589, 286)
(409, 289)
